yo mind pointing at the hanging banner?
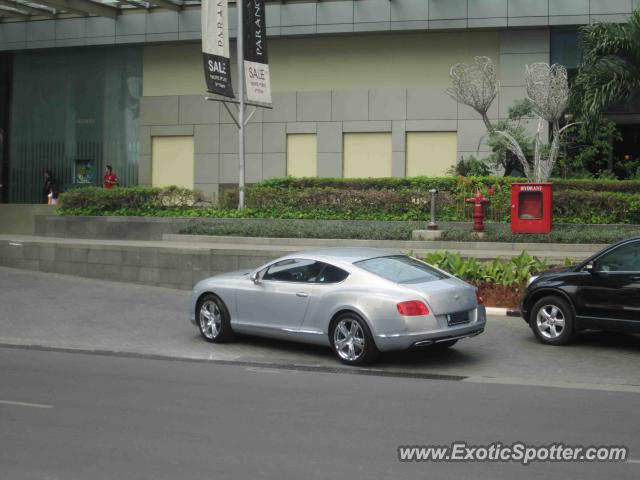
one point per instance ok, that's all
(215, 47)
(256, 64)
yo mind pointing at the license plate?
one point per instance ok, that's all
(457, 318)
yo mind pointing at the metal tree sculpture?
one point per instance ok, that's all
(476, 85)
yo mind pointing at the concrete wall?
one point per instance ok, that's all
(19, 218)
(160, 266)
(310, 18)
(413, 71)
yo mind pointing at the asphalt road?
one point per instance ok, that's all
(100, 380)
(56, 311)
(67, 416)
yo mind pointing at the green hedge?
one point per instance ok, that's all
(443, 183)
(362, 199)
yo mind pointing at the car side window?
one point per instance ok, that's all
(331, 274)
(294, 270)
(625, 258)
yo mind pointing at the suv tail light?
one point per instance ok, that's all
(479, 298)
(412, 308)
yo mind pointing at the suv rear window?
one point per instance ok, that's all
(401, 269)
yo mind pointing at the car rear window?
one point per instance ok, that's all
(401, 269)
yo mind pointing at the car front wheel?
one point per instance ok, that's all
(213, 319)
(552, 320)
(352, 341)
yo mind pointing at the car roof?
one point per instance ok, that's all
(345, 254)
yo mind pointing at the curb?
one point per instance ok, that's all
(504, 312)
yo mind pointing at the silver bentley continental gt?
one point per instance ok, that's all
(358, 301)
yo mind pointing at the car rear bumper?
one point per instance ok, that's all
(404, 341)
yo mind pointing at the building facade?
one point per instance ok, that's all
(358, 88)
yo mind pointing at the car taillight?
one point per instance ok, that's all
(412, 308)
(479, 298)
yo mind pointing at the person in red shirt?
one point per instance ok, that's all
(110, 179)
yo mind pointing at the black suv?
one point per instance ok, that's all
(601, 293)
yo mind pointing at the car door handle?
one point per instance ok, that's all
(302, 294)
(635, 278)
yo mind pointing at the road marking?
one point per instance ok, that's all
(24, 404)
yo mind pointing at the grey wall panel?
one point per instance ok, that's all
(329, 164)
(447, 24)
(398, 164)
(569, 20)
(206, 139)
(274, 165)
(274, 138)
(228, 138)
(313, 106)
(431, 125)
(398, 142)
(133, 24)
(253, 167)
(293, 14)
(350, 105)
(409, 10)
(100, 27)
(369, 126)
(195, 109)
(410, 25)
(13, 32)
(431, 103)
(387, 104)
(447, 9)
(159, 111)
(524, 41)
(228, 168)
(124, 39)
(71, 28)
(253, 138)
(528, 8)
(335, 12)
(568, 7)
(189, 21)
(512, 67)
(302, 127)
(487, 8)
(206, 167)
(335, 28)
(469, 132)
(70, 42)
(171, 130)
(329, 137)
(284, 108)
(372, 11)
(598, 7)
(41, 30)
(487, 22)
(272, 14)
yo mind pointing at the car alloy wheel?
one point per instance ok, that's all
(550, 321)
(210, 319)
(213, 319)
(349, 340)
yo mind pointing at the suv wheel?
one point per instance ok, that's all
(552, 321)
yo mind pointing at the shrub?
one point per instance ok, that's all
(127, 200)
(505, 272)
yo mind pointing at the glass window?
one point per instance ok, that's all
(294, 270)
(530, 205)
(331, 274)
(625, 258)
(401, 269)
(73, 112)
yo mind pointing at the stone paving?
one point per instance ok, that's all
(58, 311)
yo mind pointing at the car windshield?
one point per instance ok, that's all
(401, 269)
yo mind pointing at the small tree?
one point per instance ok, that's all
(476, 85)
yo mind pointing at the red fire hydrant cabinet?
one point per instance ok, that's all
(531, 207)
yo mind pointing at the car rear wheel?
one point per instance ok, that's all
(352, 341)
(552, 321)
(213, 319)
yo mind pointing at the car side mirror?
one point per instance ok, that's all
(255, 278)
(590, 267)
